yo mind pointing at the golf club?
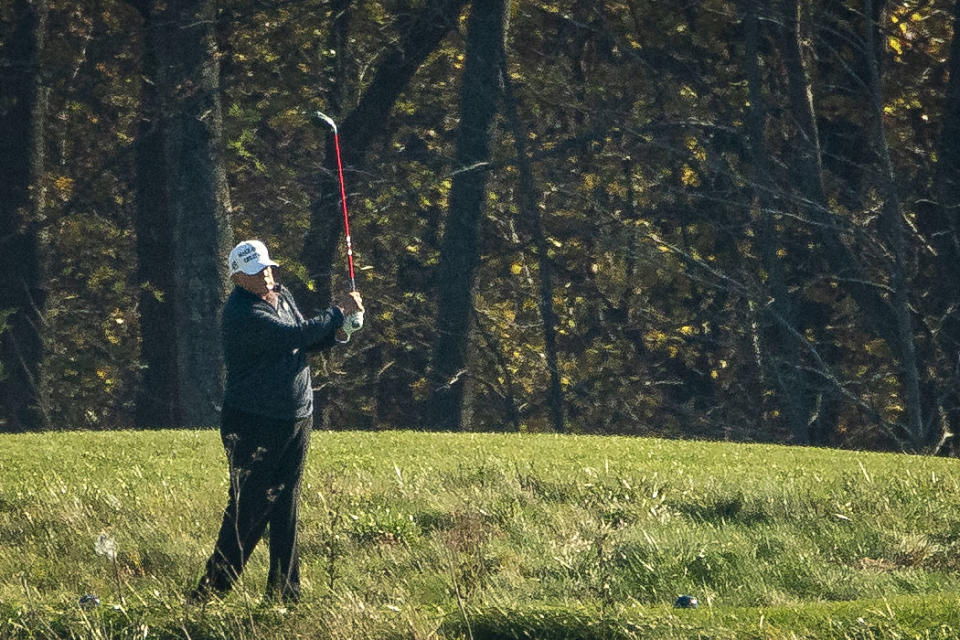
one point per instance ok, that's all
(355, 320)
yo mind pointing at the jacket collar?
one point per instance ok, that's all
(252, 297)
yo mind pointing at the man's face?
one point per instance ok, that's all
(259, 283)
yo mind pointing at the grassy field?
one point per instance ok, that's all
(412, 536)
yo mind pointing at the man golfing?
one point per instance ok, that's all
(267, 418)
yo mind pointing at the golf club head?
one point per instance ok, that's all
(320, 119)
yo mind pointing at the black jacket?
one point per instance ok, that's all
(264, 349)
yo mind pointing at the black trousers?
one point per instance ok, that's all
(266, 464)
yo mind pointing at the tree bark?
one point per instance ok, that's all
(892, 223)
(183, 227)
(780, 352)
(809, 191)
(338, 42)
(948, 166)
(23, 285)
(884, 318)
(891, 319)
(366, 123)
(459, 253)
(945, 237)
(530, 211)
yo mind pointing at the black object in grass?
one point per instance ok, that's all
(89, 601)
(686, 602)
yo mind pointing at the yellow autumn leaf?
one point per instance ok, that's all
(655, 336)
(64, 186)
(689, 177)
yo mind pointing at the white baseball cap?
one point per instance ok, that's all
(249, 257)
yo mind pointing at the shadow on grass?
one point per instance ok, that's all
(724, 509)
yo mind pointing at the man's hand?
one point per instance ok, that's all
(352, 307)
(351, 303)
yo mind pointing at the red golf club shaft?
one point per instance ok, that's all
(346, 218)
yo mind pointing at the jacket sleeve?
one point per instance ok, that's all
(336, 321)
(262, 331)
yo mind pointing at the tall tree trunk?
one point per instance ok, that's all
(809, 191)
(459, 253)
(781, 351)
(948, 166)
(530, 211)
(946, 238)
(810, 198)
(892, 223)
(183, 227)
(365, 124)
(23, 285)
(336, 65)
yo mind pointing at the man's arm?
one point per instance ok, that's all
(262, 330)
(329, 340)
(350, 305)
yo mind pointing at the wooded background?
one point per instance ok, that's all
(697, 218)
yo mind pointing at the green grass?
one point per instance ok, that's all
(415, 536)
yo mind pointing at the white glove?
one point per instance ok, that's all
(353, 322)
